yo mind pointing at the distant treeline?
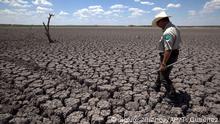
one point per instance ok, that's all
(20, 25)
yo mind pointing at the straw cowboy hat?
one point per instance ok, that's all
(158, 17)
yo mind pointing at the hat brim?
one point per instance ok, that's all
(154, 22)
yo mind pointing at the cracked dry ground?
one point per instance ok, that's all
(99, 75)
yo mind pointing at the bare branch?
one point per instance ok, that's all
(47, 28)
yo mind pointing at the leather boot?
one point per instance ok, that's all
(156, 86)
(171, 93)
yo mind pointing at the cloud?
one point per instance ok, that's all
(147, 3)
(62, 13)
(118, 6)
(95, 7)
(4, 1)
(115, 10)
(16, 3)
(191, 12)
(42, 10)
(136, 11)
(211, 6)
(16, 12)
(90, 11)
(172, 5)
(42, 2)
(108, 12)
(144, 2)
(7, 12)
(158, 9)
(95, 10)
(82, 13)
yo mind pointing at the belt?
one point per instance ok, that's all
(175, 51)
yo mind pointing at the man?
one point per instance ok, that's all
(169, 51)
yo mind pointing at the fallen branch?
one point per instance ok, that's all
(47, 28)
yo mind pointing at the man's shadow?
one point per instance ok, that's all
(181, 100)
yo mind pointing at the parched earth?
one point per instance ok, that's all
(99, 75)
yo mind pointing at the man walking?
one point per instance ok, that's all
(169, 51)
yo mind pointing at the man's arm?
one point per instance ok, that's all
(165, 59)
(168, 43)
(166, 56)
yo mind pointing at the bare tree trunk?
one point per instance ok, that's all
(47, 28)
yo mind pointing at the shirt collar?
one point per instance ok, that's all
(169, 24)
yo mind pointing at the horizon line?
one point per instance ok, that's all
(103, 25)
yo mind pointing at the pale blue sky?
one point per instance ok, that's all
(109, 12)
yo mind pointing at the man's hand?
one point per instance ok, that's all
(165, 59)
(162, 67)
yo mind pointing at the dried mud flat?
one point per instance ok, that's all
(99, 75)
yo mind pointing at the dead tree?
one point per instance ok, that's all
(47, 28)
